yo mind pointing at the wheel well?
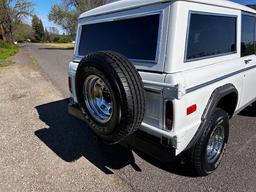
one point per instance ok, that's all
(228, 103)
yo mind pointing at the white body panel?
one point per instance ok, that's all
(131, 4)
(196, 79)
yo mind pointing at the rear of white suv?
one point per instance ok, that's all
(175, 70)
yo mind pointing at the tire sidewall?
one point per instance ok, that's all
(219, 117)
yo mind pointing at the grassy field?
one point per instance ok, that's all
(6, 51)
(61, 45)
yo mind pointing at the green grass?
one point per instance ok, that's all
(6, 50)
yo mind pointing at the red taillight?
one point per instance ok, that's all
(168, 115)
(191, 109)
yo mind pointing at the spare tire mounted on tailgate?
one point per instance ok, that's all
(111, 95)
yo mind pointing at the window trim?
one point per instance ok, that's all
(159, 12)
(186, 60)
(254, 34)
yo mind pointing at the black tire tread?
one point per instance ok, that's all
(132, 86)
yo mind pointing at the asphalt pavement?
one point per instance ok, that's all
(237, 171)
(54, 61)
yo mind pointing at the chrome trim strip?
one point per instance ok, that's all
(189, 90)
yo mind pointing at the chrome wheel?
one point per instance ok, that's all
(98, 99)
(215, 144)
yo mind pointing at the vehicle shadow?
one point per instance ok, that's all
(249, 111)
(71, 139)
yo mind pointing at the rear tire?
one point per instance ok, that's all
(207, 153)
(110, 93)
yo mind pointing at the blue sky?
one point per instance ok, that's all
(42, 8)
(246, 2)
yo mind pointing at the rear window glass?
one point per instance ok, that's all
(135, 38)
(211, 35)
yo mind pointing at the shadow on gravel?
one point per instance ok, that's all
(71, 139)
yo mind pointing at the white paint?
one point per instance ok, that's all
(171, 51)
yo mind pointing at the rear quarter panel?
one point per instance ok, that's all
(200, 77)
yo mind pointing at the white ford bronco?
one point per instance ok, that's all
(170, 71)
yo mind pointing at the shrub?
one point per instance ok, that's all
(4, 44)
(64, 39)
(6, 50)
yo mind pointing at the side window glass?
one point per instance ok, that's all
(248, 35)
(211, 35)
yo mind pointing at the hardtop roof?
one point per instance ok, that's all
(130, 4)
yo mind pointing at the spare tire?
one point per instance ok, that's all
(110, 94)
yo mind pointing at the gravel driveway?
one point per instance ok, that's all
(27, 115)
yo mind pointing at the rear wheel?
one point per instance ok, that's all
(208, 151)
(111, 95)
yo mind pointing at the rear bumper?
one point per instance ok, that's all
(140, 140)
(150, 145)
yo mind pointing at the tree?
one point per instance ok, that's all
(23, 32)
(66, 14)
(53, 30)
(12, 12)
(46, 36)
(252, 6)
(38, 27)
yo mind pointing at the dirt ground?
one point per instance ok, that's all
(27, 108)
